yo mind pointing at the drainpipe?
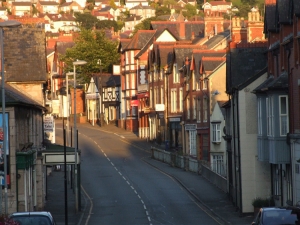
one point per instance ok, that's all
(291, 117)
(239, 153)
(35, 182)
(25, 189)
(234, 146)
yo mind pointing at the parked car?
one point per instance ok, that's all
(33, 218)
(278, 216)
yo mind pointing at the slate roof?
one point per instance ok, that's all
(61, 47)
(139, 6)
(107, 80)
(242, 63)
(212, 63)
(208, 54)
(164, 54)
(133, 18)
(216, 39)
(25, 55)
(196, 27)
(140, 39)
(15, 97)
(297, 7)
(284, 11)
(151, 40)
(270, 20)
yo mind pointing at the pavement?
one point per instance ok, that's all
(213, 199)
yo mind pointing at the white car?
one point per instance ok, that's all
(33, 218)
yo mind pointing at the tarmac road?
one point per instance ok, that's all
(212, 200)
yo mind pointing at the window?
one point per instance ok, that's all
(270, 115)
(198, 111)
(192, 144)
(259, 116)
(161, 74)
(204, 84)
(132, 81)
(162, 95)
(127, 81)
(194, 108)
(175, 74)
(174, 100)
(283, 115)
(194, 81)
(151, 105)
(150, 77)
(218, 164)
(205, 102)
(216, 132)
(180, 100)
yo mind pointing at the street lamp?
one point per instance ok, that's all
(76, 63)
(9, 23)
(68, 107)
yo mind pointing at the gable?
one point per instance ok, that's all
(166, 36)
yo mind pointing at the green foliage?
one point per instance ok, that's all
(262, 202)
(189, 11)
(35, 11)
(91, 46)
(162, 10)
(86, 20)
(145, 24)
(113, 4)
(107, 24)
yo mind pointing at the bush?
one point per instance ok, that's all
(261, 202)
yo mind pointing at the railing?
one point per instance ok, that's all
(187, 163)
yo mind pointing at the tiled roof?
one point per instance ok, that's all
(21, 3)
(263, 86)
(16, 97)
(48, 3)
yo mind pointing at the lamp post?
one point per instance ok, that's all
(100, 87)
(9, 23)
(68, 109)
(76, 63)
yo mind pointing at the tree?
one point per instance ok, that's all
(102, 24)
(86, 20)
(162, 10)
(91, 46)
(144, 25)
(189, 11)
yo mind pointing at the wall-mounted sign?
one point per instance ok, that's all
(176, 119)
(91, 96)
(190, 127)
(159, 107)
(134, 102)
